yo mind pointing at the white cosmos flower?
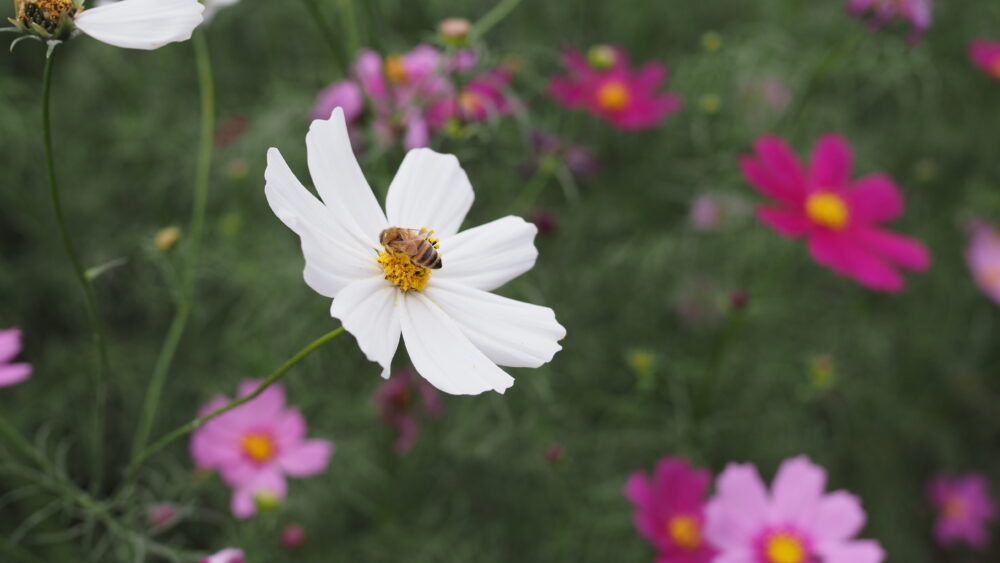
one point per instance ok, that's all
(141, 24)
(456, 332)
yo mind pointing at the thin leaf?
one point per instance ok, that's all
(95, 272)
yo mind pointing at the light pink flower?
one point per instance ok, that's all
(983, 257)
(482, 99)
(794, 522)
(346, 94)
(841, 219)
(10, 347)
(707, 213)
(965, 509)
(256, 445)
(230, 555)
(398, 401)
(608, 88)
(986, 55)
(880, 12)
(669, 510)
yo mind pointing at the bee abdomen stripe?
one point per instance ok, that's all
(427, 255)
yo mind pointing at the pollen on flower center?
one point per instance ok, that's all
(48, 14)
(395, 70)
(402, 272)
(685, 532)
(470, 102)
(954, 509)
(258, 447)
(785, 548)
(613, 96)
(827, 209)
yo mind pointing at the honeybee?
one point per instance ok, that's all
(416, 244)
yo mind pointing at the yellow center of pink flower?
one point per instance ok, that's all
(995, 68)
(394, 69)
(827, 209)
(785, 548)
(470, 102)
(613, 96)
(954, 509)
(685, 532)
(258, 447)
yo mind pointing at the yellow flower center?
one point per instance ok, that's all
(613, 96)
(401, 271)
(954, 509)
(470, 102)
(46, 13)
(258, 447)
(783, 548)
(990, 276)
(685, 532)
(394, 69)
(827, 209)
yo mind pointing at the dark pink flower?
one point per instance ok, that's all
(398, 402)
(965, 509)
(880, 12)
(986, 55)
(670, 510)
(840, 218)
(256, 445)
(607, 87)
(10, 347)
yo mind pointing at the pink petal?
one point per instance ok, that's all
(838, 517)
(575, 61)
(290, 429)
(13, 374)
(786, 223)
(838, 254)
(875, 199)
(650, 76)
(797, 490)
(780, 161)
(903, 251)
(862, 551)
(637, 489)
(739, 508)
(407, 427)
(417, 132)
(831, 163)
(10, 344)
(271, 482)
(767, 183)
(242, 503)
(268, 405)
(309, 458)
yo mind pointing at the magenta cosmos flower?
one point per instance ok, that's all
(986, 55)
(398, 401)
(256, 445)
(965, 509)
(482, 99)
(669, 510)
(604, 84)
(880, 12)
(841, 219)
(10, 347)
(794, 522)
(229, 555)
(983, 256)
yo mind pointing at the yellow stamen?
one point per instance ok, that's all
(395, 69)
(402, 272)
(613, 96)
(827, 209)
(954, 509)
(685, 532)
(783, 548)
(470, 102)
(258, 447)
(46, 13)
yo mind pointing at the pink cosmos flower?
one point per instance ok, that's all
(230, 555)
(880, 12)
(794, 522)
(345, 94)
(397, 401)
(605, 85)
(986, 55)
(965, 509)
(983, 257)
(669, 510)
(256, 445)
(10, 347)
(482, 99)
(840, 218)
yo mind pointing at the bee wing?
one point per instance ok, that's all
(408, 247)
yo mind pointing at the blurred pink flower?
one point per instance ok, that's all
(840, 219)
(965, 509)
(580, 160)
(606, 86)
(10, 347)
(983, 257)
(986, 55)
(880, 12)
(794, 522)
(161, 515)
(230, 555)
(670, 510)
(482, 99)
(398, 401)
(345, 94)
(256, 445)
(706, 213)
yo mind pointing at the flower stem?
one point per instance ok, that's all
(492, 18)
(276, 376)
(336, 49)
(203, 63)
(18, 442)
(93, 313)
(349, 24)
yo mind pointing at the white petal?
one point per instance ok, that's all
(443, 355)
(490, 255)
(430, 190)
(213, 6)
(370, 310)
(339, 180)
(333, 258)
(141, 24)
(509, 332)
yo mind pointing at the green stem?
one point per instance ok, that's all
(492, 18)
(203, 62)
(348, 24)
(336, 49)
(19, 443)
(100, 339)
(270, 380)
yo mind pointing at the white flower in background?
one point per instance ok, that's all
(132, 24)
(456, 332)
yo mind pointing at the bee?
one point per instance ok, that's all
(416, 244)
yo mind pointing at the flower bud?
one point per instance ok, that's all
(293, 536)
(710, 104)
(554, 453)
(161, 515)
(711, 42)
(455, 31)
(266, 500)
(167, 238)
(601, 57)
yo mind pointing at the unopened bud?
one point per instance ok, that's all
(601, 57)
(167, 238)
(455, 31)
(293, 536)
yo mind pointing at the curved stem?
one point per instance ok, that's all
(270, 380)
(93, 312)
(336, 49)
(496, 15)
(206, 85)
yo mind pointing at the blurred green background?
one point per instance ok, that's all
(915, 388)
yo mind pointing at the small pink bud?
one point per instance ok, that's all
(293, 537)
